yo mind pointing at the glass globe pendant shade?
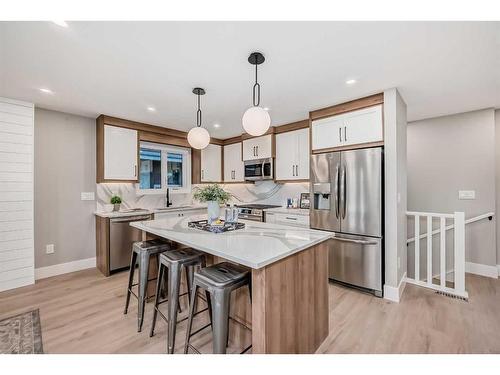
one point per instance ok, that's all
(256, 121)
(198, 137)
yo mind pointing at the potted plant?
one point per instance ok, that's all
(214, 195)
(116, 201)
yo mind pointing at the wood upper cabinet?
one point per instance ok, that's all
(348, 129)
(233, 165)
(211, 163)
(258, 147)
(117, 154)
(292, 155)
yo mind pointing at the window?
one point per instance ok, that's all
(162, 167)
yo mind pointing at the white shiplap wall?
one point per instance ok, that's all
(16, 194)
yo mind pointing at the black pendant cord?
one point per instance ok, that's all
(256, 93)
(198, 113)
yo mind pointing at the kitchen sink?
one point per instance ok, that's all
(171, 208)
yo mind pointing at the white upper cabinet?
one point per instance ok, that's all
(120, 153)
(292, 155)
(352, 128)
(211, 163)
(258, 148)
(233, 165)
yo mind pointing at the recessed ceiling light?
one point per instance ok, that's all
(266, 108)
(350, 81)
(216, 125)
(151, 109)
(46, 91)
(61, 23)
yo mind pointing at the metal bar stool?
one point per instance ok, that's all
(219, 281)
(173, 262)
(141, 254)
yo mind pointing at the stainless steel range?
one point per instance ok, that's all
(253, 212)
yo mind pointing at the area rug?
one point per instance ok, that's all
(21, 334)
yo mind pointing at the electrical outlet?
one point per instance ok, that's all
(466, 194)
(87, 196)
(49, 249)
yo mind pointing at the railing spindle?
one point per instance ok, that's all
(442, 251)
(417, 247)
(429, 250)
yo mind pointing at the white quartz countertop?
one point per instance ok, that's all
(255, 246)
(126, 213)
(289, 211)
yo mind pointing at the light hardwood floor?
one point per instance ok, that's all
(82, 312)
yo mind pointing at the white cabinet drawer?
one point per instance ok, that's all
(296, 220)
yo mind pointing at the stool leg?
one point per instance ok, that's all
(220, 320)
(159, 282)
(174, 276)
(189, 280)
(133, 260)
(143, 286)
(192, 309)
(207, 294)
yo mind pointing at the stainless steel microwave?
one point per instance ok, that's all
(260, 169)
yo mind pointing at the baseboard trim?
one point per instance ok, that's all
(394, 294)
(482, 269)
(62, 268)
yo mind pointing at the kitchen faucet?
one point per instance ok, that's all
(168, 203)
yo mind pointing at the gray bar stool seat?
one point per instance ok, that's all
(173, 262)
(141, 254)
(219, 281)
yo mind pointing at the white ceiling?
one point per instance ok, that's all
(121, 68)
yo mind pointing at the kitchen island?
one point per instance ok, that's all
(289, 311)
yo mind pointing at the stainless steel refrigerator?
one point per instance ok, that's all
(347, 198)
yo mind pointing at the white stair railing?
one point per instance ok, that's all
(458, 218)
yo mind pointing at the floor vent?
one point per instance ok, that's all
(452, 296)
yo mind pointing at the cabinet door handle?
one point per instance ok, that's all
(340, 134)
(257, 147)
(135, 170)
(291, 218)
(345, 133)
(296, 170)
(293, 170)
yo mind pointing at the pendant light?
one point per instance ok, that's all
(198, 137)
(256, 120)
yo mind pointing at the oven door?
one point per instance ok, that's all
(267, 169)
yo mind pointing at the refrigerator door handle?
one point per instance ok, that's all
(360, 242)
(337, 192)
(344, 193)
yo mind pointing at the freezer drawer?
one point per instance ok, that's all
(356, 260)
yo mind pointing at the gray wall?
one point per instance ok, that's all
(452, 153)
(497, 174)
(64, 167)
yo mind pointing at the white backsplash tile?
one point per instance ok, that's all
(266, 192)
